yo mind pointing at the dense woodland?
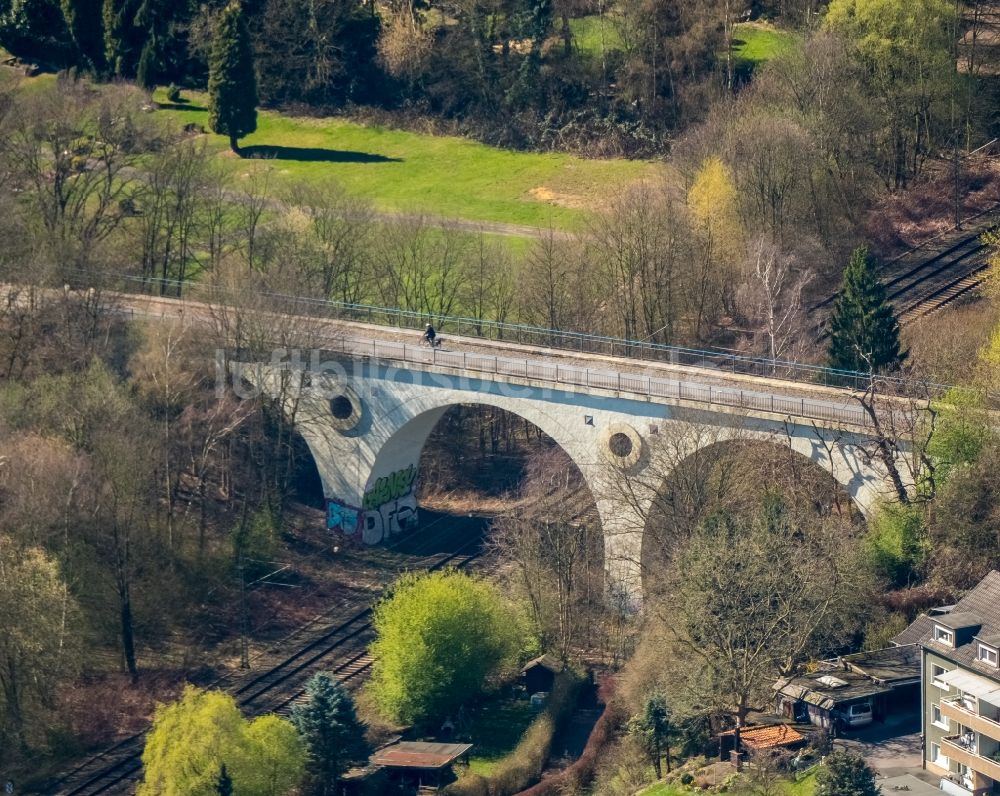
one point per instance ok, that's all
(878, 80)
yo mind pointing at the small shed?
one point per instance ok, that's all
(821, 697)
(540, 673)
(420, 763)
(760, 739)
(887, 679)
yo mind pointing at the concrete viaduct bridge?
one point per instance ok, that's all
(366, 395)
(367, 403)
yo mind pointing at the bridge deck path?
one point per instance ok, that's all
(556, 368)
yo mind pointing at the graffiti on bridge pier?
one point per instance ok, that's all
(388, 508)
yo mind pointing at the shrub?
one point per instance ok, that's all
(880, 632)
(581, 772)
(896, 544)
(173, 93)
(524, 765)
(687, 778)
(846, 773)
(426, 664)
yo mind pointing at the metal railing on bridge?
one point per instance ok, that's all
(639, 385)
(562, 340)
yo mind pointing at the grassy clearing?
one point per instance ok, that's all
(440, 175)
(753, 42)
(806, 786)
(495, 732)
(594, 35)
(756, 42)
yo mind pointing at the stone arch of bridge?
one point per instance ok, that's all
(403, 433)
(656, 488)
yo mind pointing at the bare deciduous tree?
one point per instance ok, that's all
(773, 299)
(553, 537)
(751, 595)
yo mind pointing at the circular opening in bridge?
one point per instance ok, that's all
(341, 407)
(620, 445)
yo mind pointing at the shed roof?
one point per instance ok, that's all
(972, 684)
(546, 662)
(889, 666)
(419, 754)
(958, 620)
(847, 686)
(767, 737)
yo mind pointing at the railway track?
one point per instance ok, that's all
(340, 648)
(943, 296)
(925, 288)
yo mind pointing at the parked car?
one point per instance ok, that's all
(857, 715)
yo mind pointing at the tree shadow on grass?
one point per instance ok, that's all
(265, 152)
(182, 105)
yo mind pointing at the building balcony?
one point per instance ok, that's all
(962, 749)
(964, 712)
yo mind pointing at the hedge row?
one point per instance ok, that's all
(524, 765)
(581, 772)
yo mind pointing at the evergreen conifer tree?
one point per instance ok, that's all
(864, 330)
(146, 72)
(653, 729)
(328, 724)
(86, 25)
(118, 16)
(232, 82)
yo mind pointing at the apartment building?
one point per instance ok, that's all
(960, 690)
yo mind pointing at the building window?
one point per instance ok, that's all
(936, 674)
(937, 758)
(944, 636)
(987, 655)
(937, 719)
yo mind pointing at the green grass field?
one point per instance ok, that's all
(439, 175)
(755, 43)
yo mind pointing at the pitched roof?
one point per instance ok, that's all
(981, 603)
(546, 662)
(419, 754)
(767, 737)
(918, 630)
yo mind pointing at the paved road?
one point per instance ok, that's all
(892, 748)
